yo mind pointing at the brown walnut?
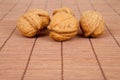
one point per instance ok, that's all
(63, 25)
(92, 24)
(31, 22)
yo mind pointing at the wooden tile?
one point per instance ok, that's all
(80, 58)
(14, 56)
(45, 61)
(5, 8)
(107, 48)
(15, 52)
(17, 11)
(8, 24)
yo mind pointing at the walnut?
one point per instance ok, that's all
(63, 25)
(31, 22)
(92, 24)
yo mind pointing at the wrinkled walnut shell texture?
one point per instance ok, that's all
(92, 24)
(31, 22)
(63, 25)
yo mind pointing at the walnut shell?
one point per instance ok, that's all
(63, 25)
(31, 22)
(92, 24)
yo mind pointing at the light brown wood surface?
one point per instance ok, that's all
(42, 58)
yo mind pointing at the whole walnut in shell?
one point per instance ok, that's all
(31, 22)
(63, 25)
(92, 24)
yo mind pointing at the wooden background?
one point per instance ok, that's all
(41, 58)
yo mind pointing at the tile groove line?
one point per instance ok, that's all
(3, 18)
(28, 61)
(96, 57)
(107, 28)
(9, 10)
(12, 31)
(111, 7)
(100, 67)
(62, 62)
(105, 78)
(31, 52)
(112, 36)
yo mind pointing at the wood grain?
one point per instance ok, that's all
(42, 58)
